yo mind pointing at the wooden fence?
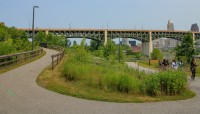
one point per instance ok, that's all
(12, 59)
(56, 58)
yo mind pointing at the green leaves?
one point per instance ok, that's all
(13, 40)
(6, 47)
(110, 49)
(186, 48)
(166, 83)
(156, 54)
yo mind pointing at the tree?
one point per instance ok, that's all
(6, 47)
(110, 49)
(3, 34)
(94, 45)
(156, 54)
(13, 40)
(186, 48)
(40, 37)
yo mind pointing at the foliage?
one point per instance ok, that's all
(13, 40)
(40, 37)
(56, 40)
(99, 52)
(51, 39)
(157, 54)
(166, 83)
(186, 48)
(6, 47)
(108, 76)
(74, 43)
(94, 45)
(109, 49)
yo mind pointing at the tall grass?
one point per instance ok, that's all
(106, 75)
(166, 83)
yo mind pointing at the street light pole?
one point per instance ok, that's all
(119, 50)
(33, 31)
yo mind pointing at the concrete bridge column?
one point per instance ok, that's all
(47, 32)
(105, 37)
(193, 37)
(150, 43)
(147, 47)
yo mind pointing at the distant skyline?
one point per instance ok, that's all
(115, 14)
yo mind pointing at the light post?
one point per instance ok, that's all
(119, 50)
(33, 31)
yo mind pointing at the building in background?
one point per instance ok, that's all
(194, 28)
(170, 25)
(125, 41)
(165, 43)
(132, 43)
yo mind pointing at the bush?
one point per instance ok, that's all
(122, 83)
(166, 83)
(157, 54)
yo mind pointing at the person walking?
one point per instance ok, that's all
(193, 68)
(174, 65)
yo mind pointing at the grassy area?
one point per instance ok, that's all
(81, 87)
(145, 63)
(198, 68)
(22, 63)
(154, 65)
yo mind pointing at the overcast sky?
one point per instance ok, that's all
(123, 14)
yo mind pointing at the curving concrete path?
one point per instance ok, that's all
(136, 65)
(19, 94)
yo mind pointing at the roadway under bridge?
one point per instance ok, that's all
(145, 36)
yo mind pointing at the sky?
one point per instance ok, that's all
(115, 14)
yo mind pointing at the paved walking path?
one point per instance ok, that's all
(19, 94)
(136, 65)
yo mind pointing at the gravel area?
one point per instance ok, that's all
(20, 94)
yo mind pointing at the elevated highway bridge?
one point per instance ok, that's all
(145, 36)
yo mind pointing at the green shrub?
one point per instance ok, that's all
(157, 54)
(166, 83)
(152, 85)
(122, 83)
(125, 84)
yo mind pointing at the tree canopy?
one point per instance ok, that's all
(186, 47)
(13, 40)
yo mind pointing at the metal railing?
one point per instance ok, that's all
(12, 59)
(56, 58)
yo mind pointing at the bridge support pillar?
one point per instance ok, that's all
(147, 47)
(105, 37)
(193, 37)
(150, 43)
(47, 32)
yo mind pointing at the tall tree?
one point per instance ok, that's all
(110, 49)
(186, 48)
